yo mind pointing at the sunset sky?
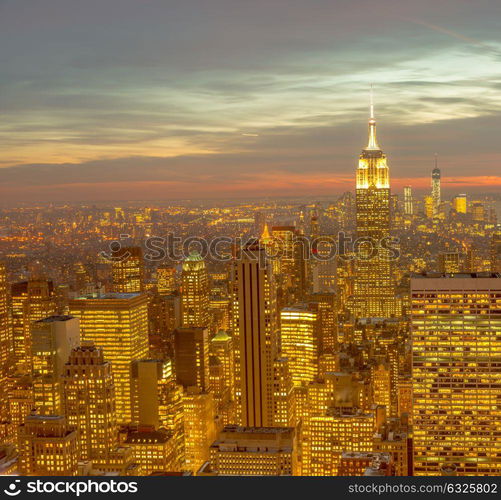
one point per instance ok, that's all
(168, 99)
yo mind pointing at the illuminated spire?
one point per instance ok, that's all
(265, 237)
(373, 145)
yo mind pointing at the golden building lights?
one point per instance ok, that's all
(299, 333)
(89, 403)
(118, 323)
(456, 323)
(195, 292)
(128, 270)
(374, 289)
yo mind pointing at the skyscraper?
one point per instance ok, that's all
(191, 355)
(408, 203)
(166, 280)
(374, 294)
(456, 351)
(5, 343)
(31, 300)
(195, 292)
(53, 338)
(89, 402)
(459, 204)
(299, 334)
(435, 186)
(117, 322)
(128, 270)
(257, 332)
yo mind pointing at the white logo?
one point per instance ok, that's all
(12, 490)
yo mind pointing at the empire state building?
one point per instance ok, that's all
(374, 289)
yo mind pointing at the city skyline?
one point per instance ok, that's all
(251, 287)
(203, 105)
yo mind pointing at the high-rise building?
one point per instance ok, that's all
(195, 292)
(199, 427)
(459, 204)
(191, 355)
(31, 300)
(89, 402)
(166, 279)
(428, 207)
(5, 343)
(257, 333)
(495, 252)
(408, 202)
(222, 375)
(374, 290)
(456, 351)
(300, 343)
(53, 338)
(128, 270)
(284, 401)
(47, 447)
(117, 322)
(435, 186)
(288, 248)
(250, 451)
(158, 401)
(325, 305)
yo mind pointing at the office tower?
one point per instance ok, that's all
(456, 351)
(31, 300)
(495, 252)
(5, 343)
(354, 463)
(195, 292)
(118, 323)
(221, 346)
(53, 338)
(166, 280)
(429, 208)
(158, 401)
(257, 332)
(435, 186)
(222, 375)
(328, 436)
(450, 262)
(459, 204)
(478, 211)
(284, 403)
(47, 447)
(191, 355)
(128, 270)
(250, 451)
(299, 335)
(325, 305)
(408, 203)
(374, 293)
(154, 450)
(325, 276)
(89, 402)
(199, 427)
